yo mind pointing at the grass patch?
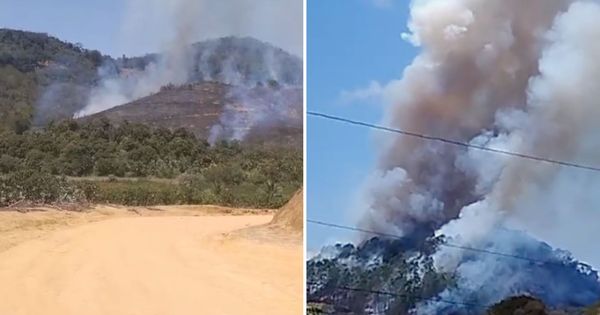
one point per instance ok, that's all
(195, 190)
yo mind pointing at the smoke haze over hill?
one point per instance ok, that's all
(186, 21)
(155, 23)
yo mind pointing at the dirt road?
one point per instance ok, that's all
(167, 265)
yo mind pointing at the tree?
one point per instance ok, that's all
(76, 160)
(110, 166)
(8, 164)
(34, 159)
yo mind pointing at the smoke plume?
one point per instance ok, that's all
(507, 74)
(249, 110)
(175, 25)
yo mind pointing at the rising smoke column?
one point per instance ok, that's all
(172, 67)
(497, 73)
(476, 61)
(560, 120)
(512, 75)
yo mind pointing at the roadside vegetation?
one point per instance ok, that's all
(133, 164)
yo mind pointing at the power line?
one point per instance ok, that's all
(452, 142)
(449, 245)
(404, 295)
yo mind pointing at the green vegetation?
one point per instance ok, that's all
(43, 78)
(315, 309)
(43, 74)
(17, 96)
(172, 167)
(26, 185)
(27, 51)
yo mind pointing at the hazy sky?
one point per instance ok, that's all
(350, 44)
(135, 27)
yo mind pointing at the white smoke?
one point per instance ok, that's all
(149, 24)
(248, 110)
(170, 27)
(556, 204)
(508, 74)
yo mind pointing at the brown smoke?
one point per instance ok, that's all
(510, 74)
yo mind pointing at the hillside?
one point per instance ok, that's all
(29, 52)
(233, 60)
(44, 79)
(343, 277)
(250, 62)
(203, 106)
(36, 70)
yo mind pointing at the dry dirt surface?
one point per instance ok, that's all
(170, 260)
(285, 227)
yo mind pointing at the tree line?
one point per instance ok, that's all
(104, 158)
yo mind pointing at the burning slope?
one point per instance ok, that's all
(254, 70)
(242, 62)
(511, 75)
(217, 111)
(224, 89)
(194, 107)
(409, 270)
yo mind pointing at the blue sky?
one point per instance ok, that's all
(350, 43)
(136, 27)
(94, 23)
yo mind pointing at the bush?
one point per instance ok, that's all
(8, 164)
(36, 187)
(109, 166)
(193, 189)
